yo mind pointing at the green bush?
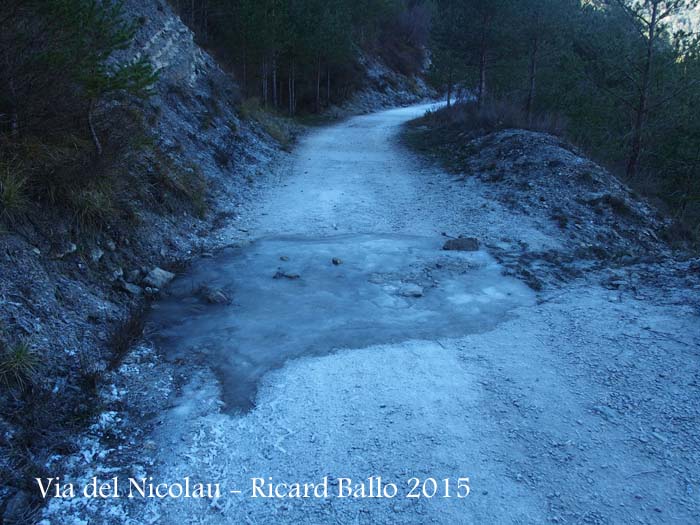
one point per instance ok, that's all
(18, 366)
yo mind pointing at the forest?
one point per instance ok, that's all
(297, 56)
(618, 78)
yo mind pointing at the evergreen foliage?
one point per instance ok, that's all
(63, 88)
(624, 74)
(301, 54)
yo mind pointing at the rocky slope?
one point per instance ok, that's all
(70, 294)
(589, 220)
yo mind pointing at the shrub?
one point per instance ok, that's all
(493, 116)
(92, 205)
(250, 108)
(174, 186)
(125, 336)
(66, 93)
(13, 197)
(274, 125)
(18, 366)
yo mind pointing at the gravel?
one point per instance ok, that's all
(581, 406)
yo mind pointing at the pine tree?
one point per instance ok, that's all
(60, 62)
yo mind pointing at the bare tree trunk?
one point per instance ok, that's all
(641, 110)
(481, 92)
(14, 115)
(532, 73)
(289, 88)
(483, 59)
(205, 20)
(93, 133)
(450, 86)
(264, 83)
(14, 123)
(245, 74)
(292, 89)
(318, 85)
(274, 82)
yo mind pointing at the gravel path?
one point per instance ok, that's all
(579, 406)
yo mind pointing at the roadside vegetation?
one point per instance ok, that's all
(65, 131)
(619, 78)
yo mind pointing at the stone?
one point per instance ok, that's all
(463, 244)
(133, 276)
(605, 411)
(411, 290)
(109, 244)
(62, 249)
(158, 278)
(283, 275)
(336, 261)
(96, 254)
(129, 288)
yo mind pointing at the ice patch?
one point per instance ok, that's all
(288, 299)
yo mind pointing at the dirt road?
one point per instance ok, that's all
(573, 405)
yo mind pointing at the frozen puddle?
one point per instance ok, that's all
(289, 299)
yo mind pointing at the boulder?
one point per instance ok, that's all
(463, 244)
(158, 278)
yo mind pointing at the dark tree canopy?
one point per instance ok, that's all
(622, 73)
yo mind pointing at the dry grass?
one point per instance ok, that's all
(126, 335)
(278, 127)
(13, 194)
(175, 185)
(493, 116)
